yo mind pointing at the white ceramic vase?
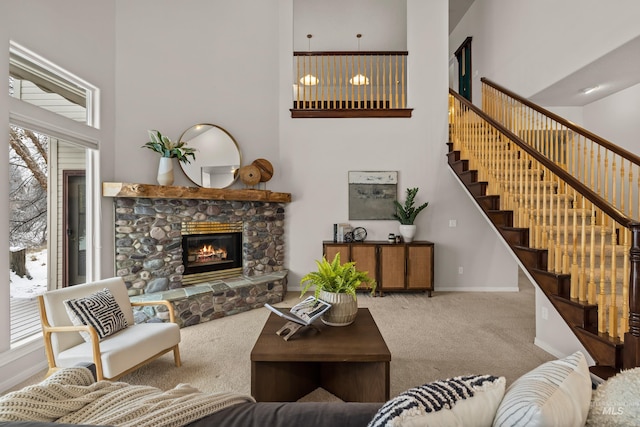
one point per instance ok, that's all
(165, 171)
(407, 232)
(343, 311)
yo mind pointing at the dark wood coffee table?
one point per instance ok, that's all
(352, 362)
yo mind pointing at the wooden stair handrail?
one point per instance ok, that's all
(593, 197)
(576, 128)
(631, 358)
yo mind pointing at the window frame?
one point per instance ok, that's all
(92, 92)
(85, 135)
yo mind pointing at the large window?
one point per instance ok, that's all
(51, 182)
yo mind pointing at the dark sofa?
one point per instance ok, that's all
(274, 414)
(285, 414)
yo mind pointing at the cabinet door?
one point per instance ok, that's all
(365, 258)
(331, 249)
(419, 267)
(392, 267)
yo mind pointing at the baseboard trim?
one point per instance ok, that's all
(549, 349)
(22, 376)
(476, 289)
(25, 361)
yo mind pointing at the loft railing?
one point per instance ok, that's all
(560, 183)
(350, 84)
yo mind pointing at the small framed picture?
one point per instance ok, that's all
(371, 194)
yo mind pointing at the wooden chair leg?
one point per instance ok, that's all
(51, 371)
(176, 356)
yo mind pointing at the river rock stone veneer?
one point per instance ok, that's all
(148, 246)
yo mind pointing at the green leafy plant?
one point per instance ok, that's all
(166, 148)
(336, 277)
(407, 214)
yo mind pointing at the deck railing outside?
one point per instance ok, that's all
(563, 199)
(353, 81)
(25, 319)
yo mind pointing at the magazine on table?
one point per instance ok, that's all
(305, 312)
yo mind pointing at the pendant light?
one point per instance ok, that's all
(309, 79)
(359, 79)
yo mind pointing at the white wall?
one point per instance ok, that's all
(211, 62)
(382, 24)
(552, 332)
(615, 118)
(232, 66)
(527, 46)
(78, 36)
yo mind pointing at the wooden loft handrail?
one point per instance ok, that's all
(307, 113)
(351, 53)
(576, 128)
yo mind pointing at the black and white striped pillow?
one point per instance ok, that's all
(99, 310)
(461, 401)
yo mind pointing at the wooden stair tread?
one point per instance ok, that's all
(602, 337)
(603, 372)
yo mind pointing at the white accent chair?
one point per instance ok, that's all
(116, 355)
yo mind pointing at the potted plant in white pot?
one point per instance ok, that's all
(407, 214)
(336, 284)
(168, 150)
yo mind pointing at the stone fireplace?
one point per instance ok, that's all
(150, 254)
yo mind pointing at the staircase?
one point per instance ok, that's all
(567, 207)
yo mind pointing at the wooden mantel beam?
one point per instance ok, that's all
(150, 191)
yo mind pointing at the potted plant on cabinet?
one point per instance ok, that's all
(168, 150)
(336, 283)
(407, 214)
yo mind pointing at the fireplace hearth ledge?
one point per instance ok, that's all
(211, 300)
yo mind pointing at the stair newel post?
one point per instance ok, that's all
(631, 358)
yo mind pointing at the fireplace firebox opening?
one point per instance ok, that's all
(211, 250)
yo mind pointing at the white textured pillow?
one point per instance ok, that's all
(616, 402)
(464, 401)
(99, 310)
(556, 393)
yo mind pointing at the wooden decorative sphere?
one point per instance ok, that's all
(250, 175)
(265, 167)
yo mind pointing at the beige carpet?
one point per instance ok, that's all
(449, 334)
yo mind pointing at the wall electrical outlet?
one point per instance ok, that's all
(460, 270)
(544, 312)
(453, 223)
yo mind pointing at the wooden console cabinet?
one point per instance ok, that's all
(395, 266)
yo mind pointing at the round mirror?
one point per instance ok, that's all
(217, 156)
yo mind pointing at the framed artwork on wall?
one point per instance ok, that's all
(371, 194)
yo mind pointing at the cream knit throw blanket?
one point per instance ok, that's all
(71, 396)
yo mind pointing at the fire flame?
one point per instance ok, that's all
(208, 252)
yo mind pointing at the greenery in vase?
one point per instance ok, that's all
(166, 148)
(336, 277)
(407, 214)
